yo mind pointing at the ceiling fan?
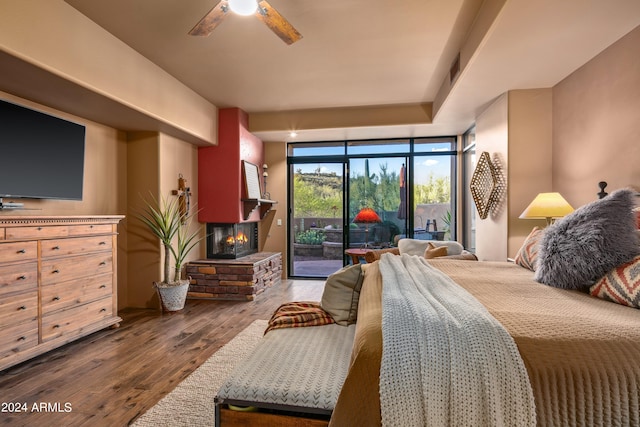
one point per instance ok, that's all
(260, 8)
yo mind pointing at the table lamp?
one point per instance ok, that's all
(547, 206)
(367, 216)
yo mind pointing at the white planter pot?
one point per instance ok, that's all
(172, 297)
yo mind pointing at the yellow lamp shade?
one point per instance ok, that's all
(547, 206)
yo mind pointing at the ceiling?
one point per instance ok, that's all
(369, 53)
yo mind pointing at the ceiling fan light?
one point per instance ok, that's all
(243, 7)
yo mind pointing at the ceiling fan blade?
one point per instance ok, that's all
(277, 23)
(211, 20)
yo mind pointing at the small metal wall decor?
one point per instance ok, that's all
(488, 185)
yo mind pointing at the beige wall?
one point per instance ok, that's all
(155, 162)
(492, 136)
(144, 253)
(180, 158)
(596, 128)
(530, 140)
(275, 156)
(566, 139)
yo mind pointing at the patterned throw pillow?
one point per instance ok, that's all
(621, 285)
(528, 253)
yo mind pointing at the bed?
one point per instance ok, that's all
(582, 353)
(569, 302)
(562, 354)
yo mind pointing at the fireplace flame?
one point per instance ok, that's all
(240, 239)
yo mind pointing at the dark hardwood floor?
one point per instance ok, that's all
(113, 376)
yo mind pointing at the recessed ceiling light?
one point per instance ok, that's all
(293, 134)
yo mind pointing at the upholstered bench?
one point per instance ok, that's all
(293, 372)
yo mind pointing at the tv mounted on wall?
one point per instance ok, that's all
(41, 156)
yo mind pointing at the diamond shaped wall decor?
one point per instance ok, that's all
(487, 185)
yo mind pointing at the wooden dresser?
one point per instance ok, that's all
(58, 282)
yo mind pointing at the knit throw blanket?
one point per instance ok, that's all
(445, 359)
(298, 314)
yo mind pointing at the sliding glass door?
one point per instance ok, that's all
(316, 220)
(349, 195)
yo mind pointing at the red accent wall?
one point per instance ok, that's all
(220, 179)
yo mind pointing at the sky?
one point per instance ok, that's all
(438, 165)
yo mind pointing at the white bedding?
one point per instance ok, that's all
(445, 359)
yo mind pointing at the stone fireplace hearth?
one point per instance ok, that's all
(234, 279)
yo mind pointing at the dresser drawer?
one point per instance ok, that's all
(1, 233)
(18, 337)
(83, 230)
(18, 308)
(18, 278)
(72, 268)
(37, 232)
(19, 251)
(71, 321)
(75, 246)
(66, 294)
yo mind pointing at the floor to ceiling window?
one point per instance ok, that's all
(433, 189)
(377, 198)
(366, 194)
(468, 206)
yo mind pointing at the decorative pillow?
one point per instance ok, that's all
(418, 247)
(433, 251)
(637, 211)
(341, 294)
(585, 245)
(375, 254)
(621, 285)
(528, 253)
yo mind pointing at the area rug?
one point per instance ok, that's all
(191, 402)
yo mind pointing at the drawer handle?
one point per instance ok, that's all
(22, 339)
(22, 277)
(103, 263)
(39, 228)
(56, 326)
(22, 307)
(55, 248)
(103, 310)
(55, 271)
(102, 286)
(22, 251)
(55, 299)
(102, 243)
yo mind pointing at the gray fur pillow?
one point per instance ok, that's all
(582, 247)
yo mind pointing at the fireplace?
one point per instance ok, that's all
(231, 241)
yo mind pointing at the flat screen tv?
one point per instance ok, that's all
(41, 156)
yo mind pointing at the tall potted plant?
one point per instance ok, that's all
(172, 226)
